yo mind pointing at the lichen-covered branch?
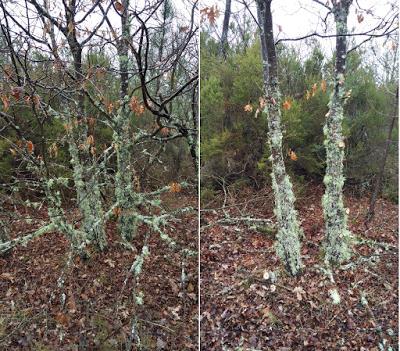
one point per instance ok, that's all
(24, 240)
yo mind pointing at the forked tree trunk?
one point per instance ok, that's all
(85, 170)
(288, 242)
(337, 236)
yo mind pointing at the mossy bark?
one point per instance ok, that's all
(288, 242)
(85, 176)
(337, 236)
(122, 138)
(85, 168)
(124, 193)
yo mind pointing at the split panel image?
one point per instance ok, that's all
(199, 175)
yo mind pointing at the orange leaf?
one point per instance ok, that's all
(210, 13)
(117, 211)
(175, 188)
(110, 107)
(248, 108)
(36, 100)
(135, 106)
(6, 102)
(119, 7)
(30, 147)
(287, 104)
(323, 85)
(314, 89)
(292, 155)
(62, 319)
(90, 140)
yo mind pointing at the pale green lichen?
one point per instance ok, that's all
(335, 297)
(124, 193)
(337, 237)
(139, 298)
(289, 232)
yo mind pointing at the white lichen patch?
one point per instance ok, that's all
(335, 297)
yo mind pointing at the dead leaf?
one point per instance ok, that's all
(62, 319)
(6, 102)
(29, 146)
(190, 287)
(248, 108)
(323, 85)
(117, 211)
(292, 155)
(7, 276)
(287, 104)
(314, 89)
(119, 7)
(175, 188)
(90, 140)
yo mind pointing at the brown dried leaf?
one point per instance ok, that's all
(119, 7)
(175, 188)
(6, 102)
(29, 146)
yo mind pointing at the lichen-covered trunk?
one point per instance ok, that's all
(86, 179)
(337, 236)
(122, 137)
(85, 167)
(288, 241)
(124, 193)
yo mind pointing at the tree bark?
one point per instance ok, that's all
(122, 137)
(337, 236)
(225, 28)
(288, 242)
(379, 178)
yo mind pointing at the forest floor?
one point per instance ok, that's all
(98, 312)
(243, 309)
